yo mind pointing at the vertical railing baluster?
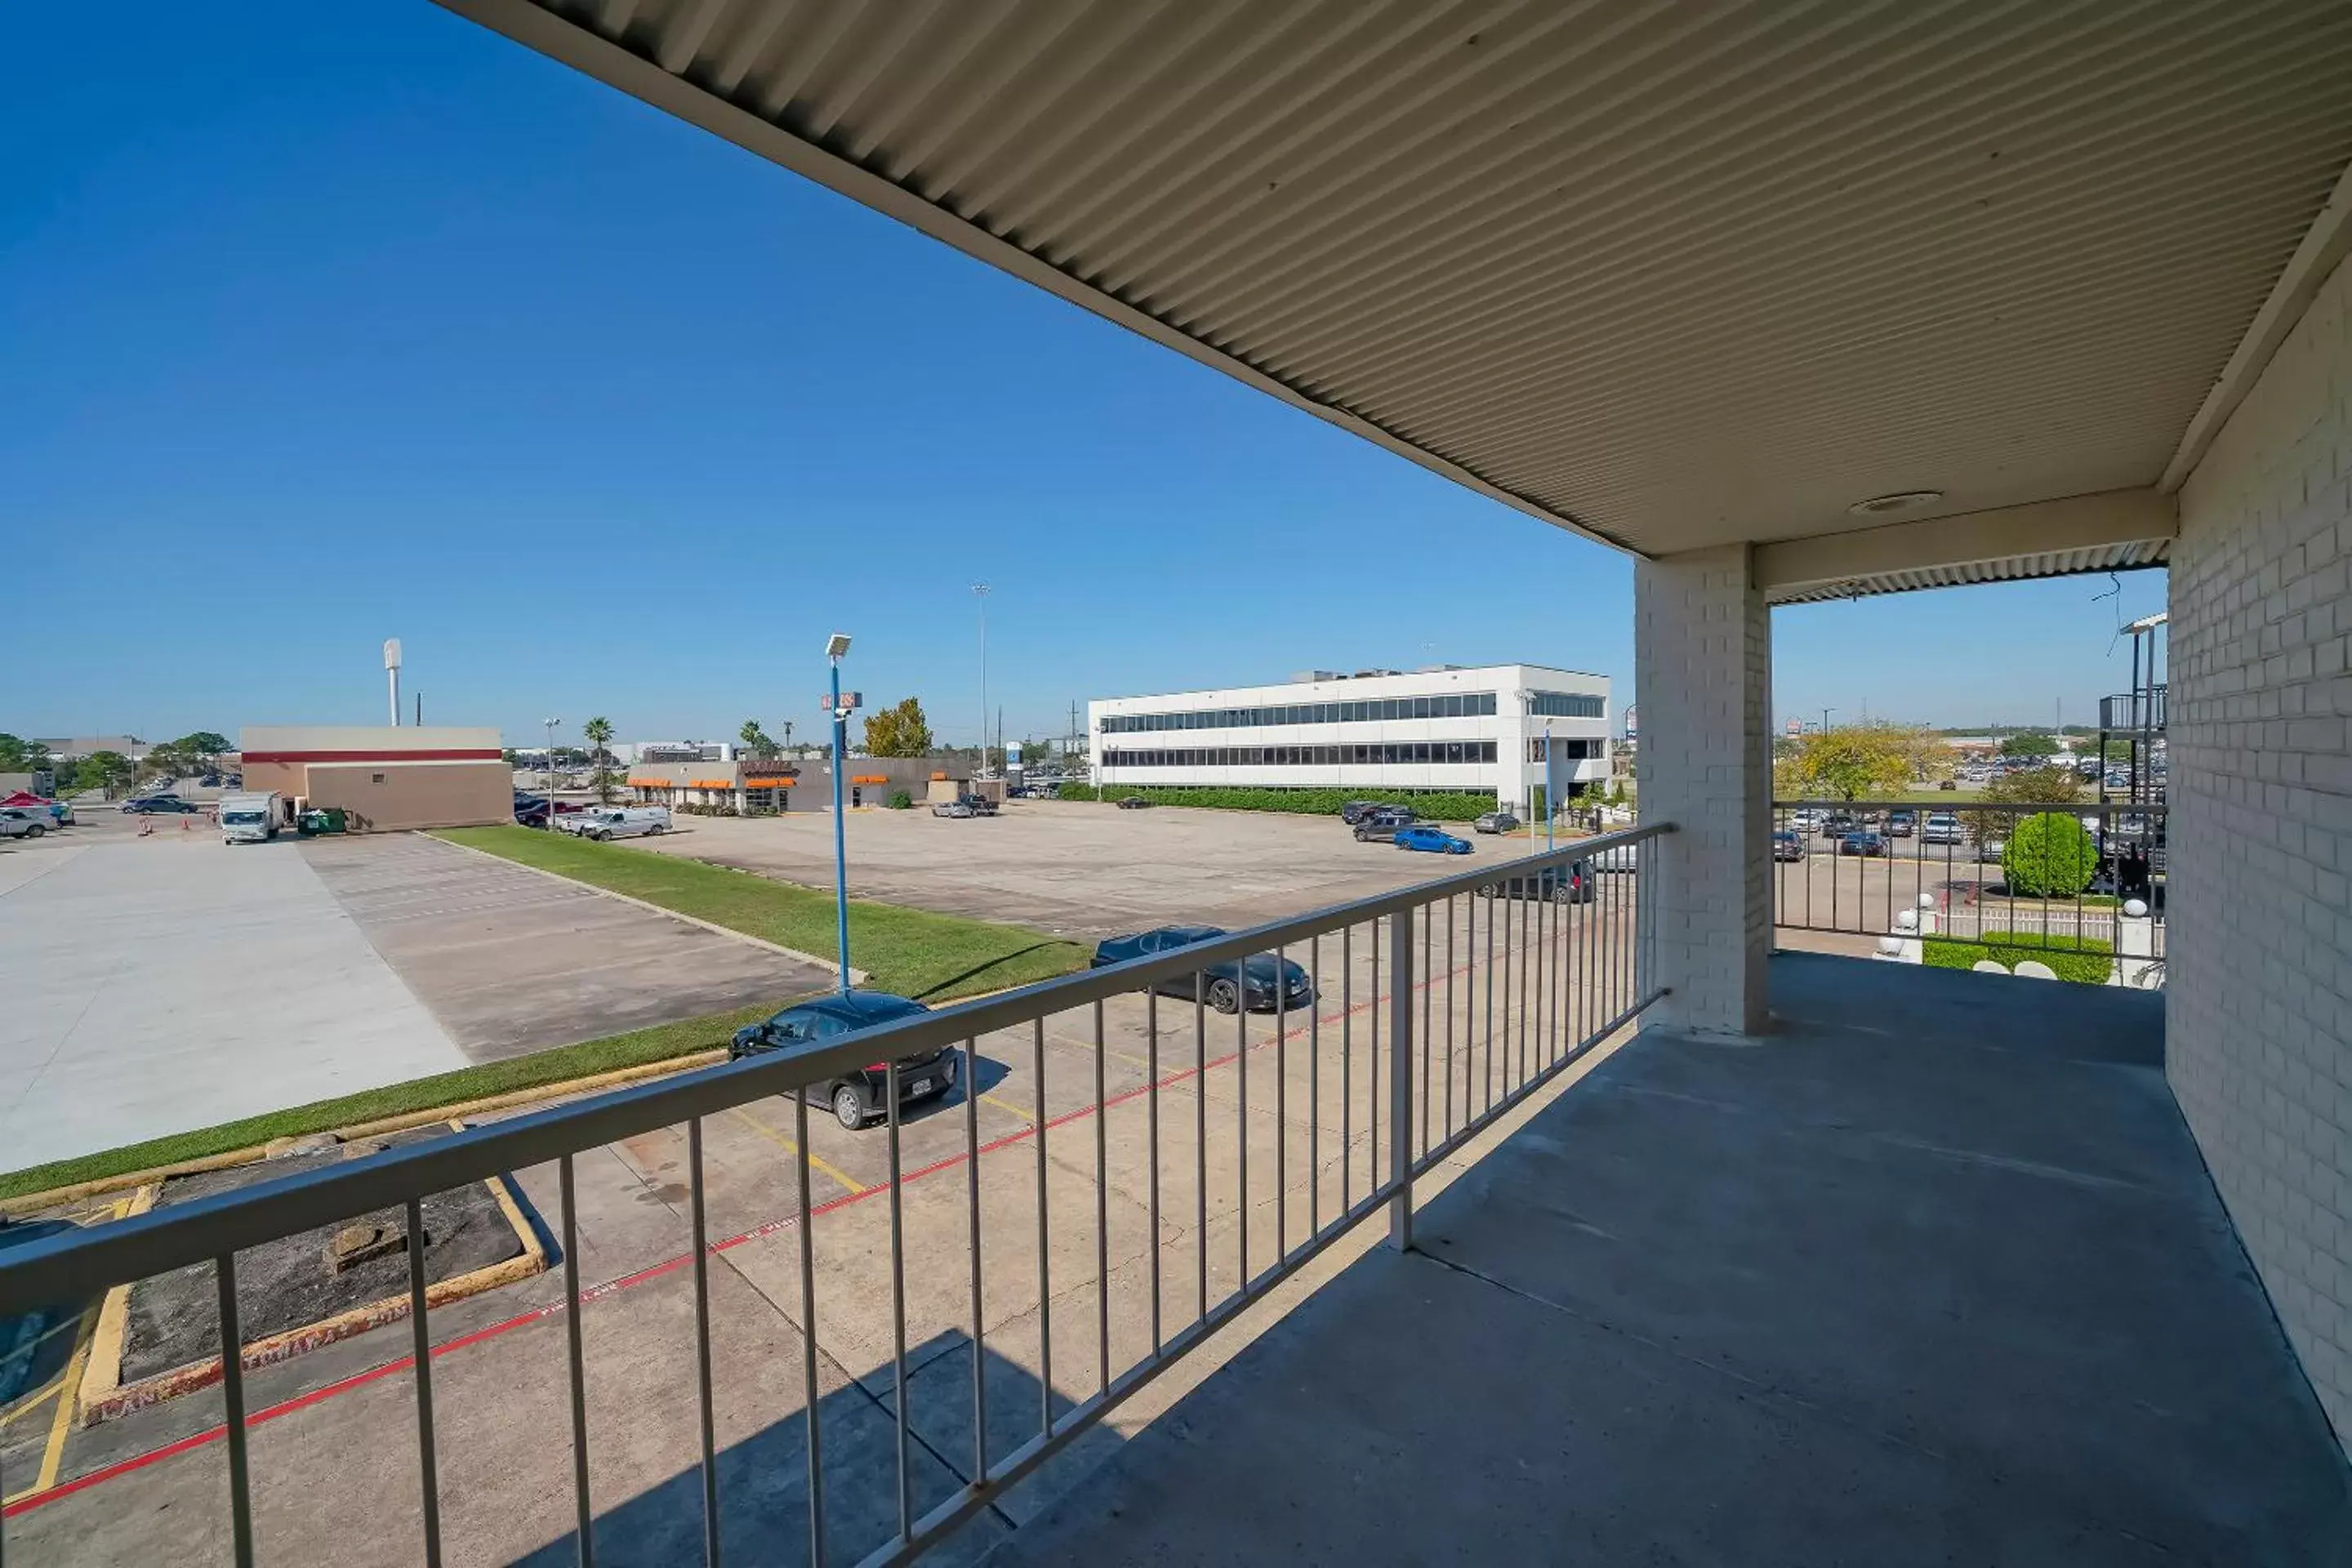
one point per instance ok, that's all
(576, 1355)
(420, 1350)
(1449, 1011)
(1151, 1141)
(972, 1206)
(1347, 1065)
(808, 1332)
(1044, 1243)
(1401, 1079)
(1314, 1086)
(1428, 997)
(1486, 1075)
(708, 1424)
(1281, 1104)
(240, 1494)
(1200, 1148)
(1241, 1117)
(898, 1305)
(1102, 1211)
(1373, 1075)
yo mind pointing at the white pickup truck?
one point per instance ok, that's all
(601, 822)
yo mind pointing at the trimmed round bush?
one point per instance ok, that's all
(2050, 857)
(900, 801)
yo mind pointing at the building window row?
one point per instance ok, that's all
(1447, 751)
(1567, 705)
(1457, 705)
(1570, 749)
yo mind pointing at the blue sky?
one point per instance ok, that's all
(392, 328)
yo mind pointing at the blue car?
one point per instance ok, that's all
(1434, 840)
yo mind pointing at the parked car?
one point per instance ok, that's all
(59, 813)
(16, 822)
(1862, 843)
(1942, 827)
(1355, 811)
(1992, 849)
(981, 805)
(1838, 824)
(530, 810)
(1495, 822)
(165, 804)
(1431, 839)
(1254, 980)
(1616, 857)
(957, 808)
(1788, 844)
(602, 823)
(856, 1097)
(1902, 824)
(1133, 803)
(1382, 826)
(1569, 884)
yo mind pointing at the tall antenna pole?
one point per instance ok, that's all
(980, 592)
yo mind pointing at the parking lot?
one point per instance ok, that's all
(1080, 869)
(1202, 1140)
(171, 982)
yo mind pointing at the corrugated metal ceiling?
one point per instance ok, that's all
(1675, 273)
(2047, 564)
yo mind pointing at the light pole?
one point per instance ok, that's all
(548, 784)
(1551, 798)
(1825, 719)
(834, 646)
(980, 592)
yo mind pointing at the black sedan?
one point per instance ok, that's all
(1254, 979)
(164, 804)
(858, 1097)
(1569, 884)
(1133, 803)
(1865, 844)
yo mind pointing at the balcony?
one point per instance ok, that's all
(1932, 1273)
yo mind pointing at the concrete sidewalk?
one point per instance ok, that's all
(1933, 1274)
(159, 985)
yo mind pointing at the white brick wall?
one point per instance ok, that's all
(2259, 998)
(1703, 676)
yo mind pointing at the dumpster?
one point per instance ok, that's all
(320, 819)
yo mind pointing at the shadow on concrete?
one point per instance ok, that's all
(1931, 1273)
(763, 1513)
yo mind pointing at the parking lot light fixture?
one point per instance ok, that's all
(548, 783)
(836, 646)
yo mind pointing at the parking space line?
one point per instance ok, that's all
(49, 1490)
(1008, 1105)
(816, 1162)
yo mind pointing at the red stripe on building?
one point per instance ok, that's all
(439, 754)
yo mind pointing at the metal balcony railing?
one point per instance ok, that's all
(1437, 1009)
(1861, 867)
(2129, 711)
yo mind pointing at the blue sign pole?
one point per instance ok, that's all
(840, 848)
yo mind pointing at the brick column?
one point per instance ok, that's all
(1703, 676)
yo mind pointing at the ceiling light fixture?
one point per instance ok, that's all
(1897, 500)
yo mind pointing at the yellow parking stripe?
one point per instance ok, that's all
(33, 1402)
(1007, 1105)
(816, 1162)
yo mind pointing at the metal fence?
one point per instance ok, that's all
(1411, 1023)
(1860, 867)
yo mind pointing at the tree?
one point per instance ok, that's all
(109, 771)
(2028, 743)
(15, 755)
(899, 731)
(202, 747)
(2050, 857)
(1857, 760)
(757, 741)
(598, 734)
(2028, 786)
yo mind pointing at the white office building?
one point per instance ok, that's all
(1449, 728)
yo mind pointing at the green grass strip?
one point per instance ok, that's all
(661, 1043)
(913, 953)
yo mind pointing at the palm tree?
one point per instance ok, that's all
(598, 732)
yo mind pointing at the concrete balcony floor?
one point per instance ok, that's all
(1933, 1274)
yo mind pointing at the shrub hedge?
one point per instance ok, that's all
(2085, 960)
(1438, 805)
(2049, 857)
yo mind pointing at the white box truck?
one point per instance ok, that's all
(248, 819)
